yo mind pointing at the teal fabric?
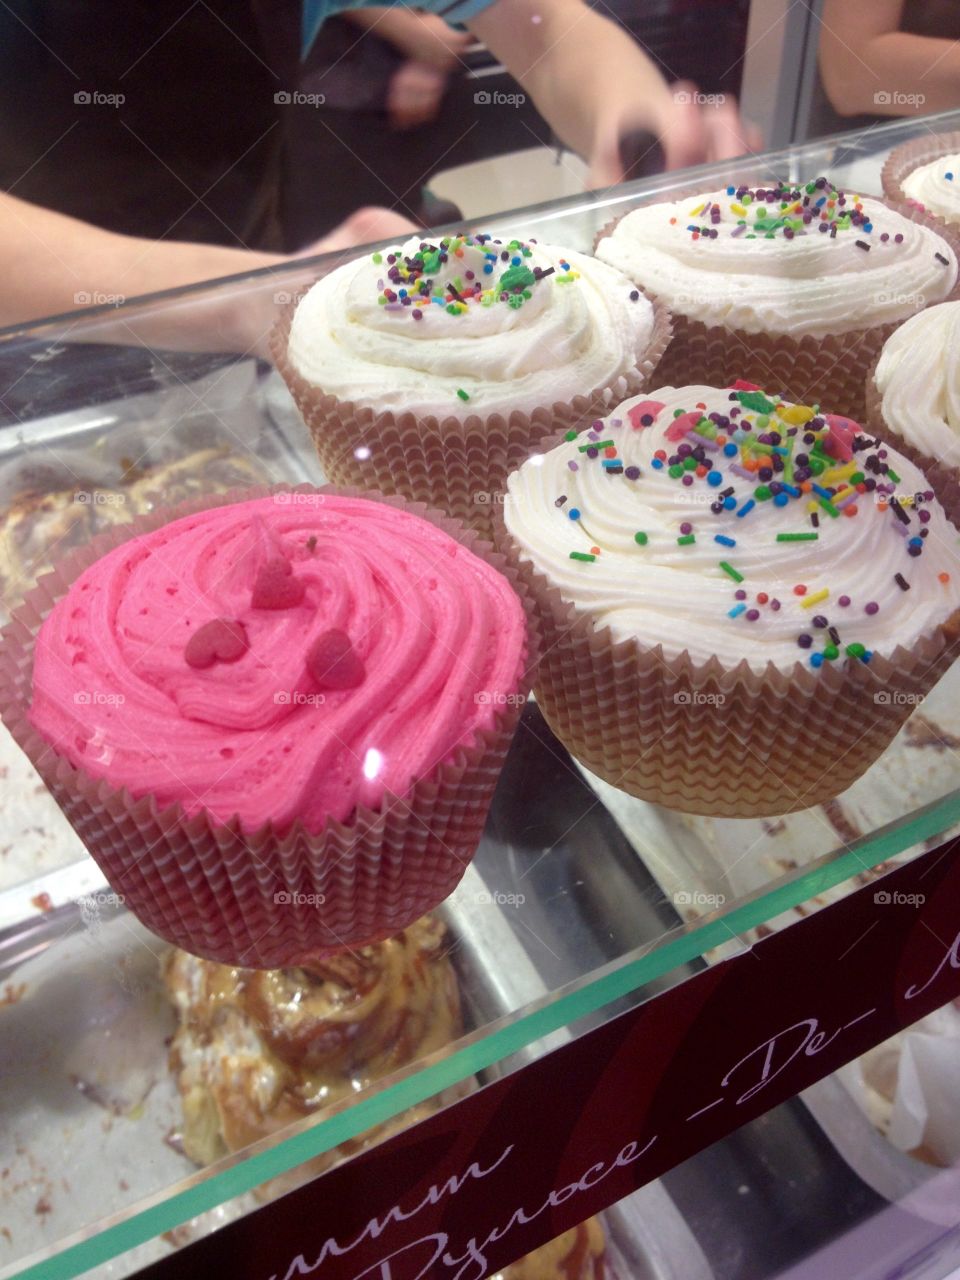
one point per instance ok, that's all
(315, 12)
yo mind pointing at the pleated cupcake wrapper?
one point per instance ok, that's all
(910, 155)
(943, 477)
(459, 464)
(266, 899)
(709, 739)
(828, 371)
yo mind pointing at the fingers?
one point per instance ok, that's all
(365, 225)
(414, 94)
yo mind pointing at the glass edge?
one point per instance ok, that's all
(597, 992)
(566, 204)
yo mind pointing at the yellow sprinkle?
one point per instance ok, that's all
(699, 209)
(796, 414)
(838, 473)
(809, 601)
(843, 493)
(739, 210)
(812, 505)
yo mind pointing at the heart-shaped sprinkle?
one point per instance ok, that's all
(276, 587)
(222, 640)
(332, 662)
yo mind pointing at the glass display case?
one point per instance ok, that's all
(583, 904)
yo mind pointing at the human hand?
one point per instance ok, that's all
(691, 128)
(414, 94)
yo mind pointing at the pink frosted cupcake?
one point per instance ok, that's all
(276, 723)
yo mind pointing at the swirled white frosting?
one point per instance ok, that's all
(918, 376)
(679, 594)
(575, 331)
(807, 282)
(929, 184)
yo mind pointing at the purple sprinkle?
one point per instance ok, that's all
(688, 479)
(753, 615)
(871, 608)
(923, 517)
(572, 465)
(774, 604)
(819, 620)
(686, 527)
(740, 594)
(804, 641)
(843, 601)
(632, 473)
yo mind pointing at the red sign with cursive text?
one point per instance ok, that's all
(506, 1169)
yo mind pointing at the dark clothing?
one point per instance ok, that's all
(186, 154)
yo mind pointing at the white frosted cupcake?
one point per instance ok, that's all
(913, 396)
(741, 598)
(790, 286)
(430, 370)
(927, 171)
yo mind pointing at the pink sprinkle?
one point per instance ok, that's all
(572, 465)
(645, 409)
(679, 427)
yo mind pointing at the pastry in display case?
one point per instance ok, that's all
(258, 1050)
(794, 286)
(712, 567)
(432, 368)
(576, 1255)
(913, 396)
(740, 581)
(257, 681)
(926, 171)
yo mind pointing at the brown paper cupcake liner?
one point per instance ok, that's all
(458, 465)
(265, 899)
(910, 155)
(944, 477)
(709, 739)
(807, 370)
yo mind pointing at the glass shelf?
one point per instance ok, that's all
(580, 902)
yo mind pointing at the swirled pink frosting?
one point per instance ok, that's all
(440, 635)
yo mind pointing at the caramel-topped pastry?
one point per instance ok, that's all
(575, 1255)
(257, 1050)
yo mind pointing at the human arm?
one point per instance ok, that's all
(52, 264)
(595, 85)
(868, 64)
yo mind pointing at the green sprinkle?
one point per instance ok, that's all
(817, 465)
(598, 444)
(855, 650)
(858, 478)
(378, 258)
(690, 463)
(891, 475)
(756, 400)
(797, 537)
(571, 435)
(382, 301)
(678, 413)
(762, 493)
(686, 539)
(828, 506)
(641, 539)
(582, 555)
(730, 571)
(565, 279)
(675, 471)
(517, 277)
(462, 394)
(831, 652)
